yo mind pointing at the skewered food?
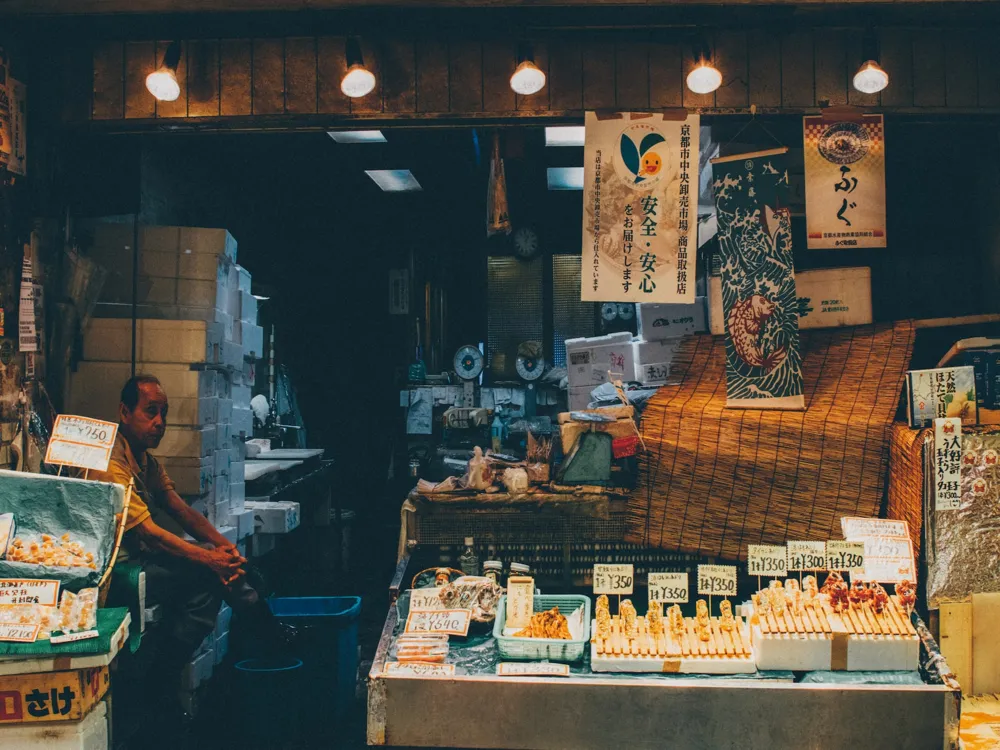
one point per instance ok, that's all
(602, 614)
(831, 580)
(907, 594)
(703, 620)
(654, 618)
(726, 620)
(675, 619)
(628, 614)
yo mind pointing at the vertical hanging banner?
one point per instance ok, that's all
(845, 182)
(948, 463)
(27, 330)
(18, 127)
(6, 138)
(640, 208)
(760, 307)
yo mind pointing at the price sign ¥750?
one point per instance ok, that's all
(613, 579)
(81, 442)
(806, 555)
(842, 555)
(767, 560)
(668, 587)
(717, 580)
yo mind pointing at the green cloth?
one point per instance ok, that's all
(56, 506)
(108, 622)
(125, 592)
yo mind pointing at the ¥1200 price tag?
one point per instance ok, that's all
(418, 669)
(440, 622)
(717, 580)
(536, 668)
(842, 555)
(807, 555)
(668, 587)
(767, 560)
(613, 579)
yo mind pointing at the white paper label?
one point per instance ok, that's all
(19, 633)
(888, 550)
(717, 580)
(418, 669)
(442, 622)
(520, 601)
(27, 331)
(841, 555)
(71, 637)
(613, 579)
(806, 555)
(29, 591)
(668, 587)
(947, 463)
(429, 598)
(767, 560)
(543, 669)
(81, 442)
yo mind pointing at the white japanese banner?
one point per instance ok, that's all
(845, 182)
(640, 208)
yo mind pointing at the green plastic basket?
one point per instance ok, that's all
(544, 649)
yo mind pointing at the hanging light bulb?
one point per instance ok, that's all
(527, 78)
(358, 80)
(162, 82)
(704, 79)
(870, 78)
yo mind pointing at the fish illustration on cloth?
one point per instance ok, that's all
(744, 324)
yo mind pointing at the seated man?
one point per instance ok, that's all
(189, 579)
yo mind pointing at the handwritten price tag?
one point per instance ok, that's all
(19, 633)
(429, 598)
(542, 669)
(81, 442)
(842, 555)
(807, 555)
(613, 579)
(668, 587)
(418, 669)
(718, 580)
(767, 560)
(442, 622)
(29, 591)
(520, 601)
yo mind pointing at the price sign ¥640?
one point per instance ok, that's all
(613, 579)
(767, 560)
(668, 587)
(842, 555)
(717, 580)
(807, 555)
(441, 622)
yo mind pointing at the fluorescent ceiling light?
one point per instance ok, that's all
(565, 135)
(565, 178)
(357, 136)
(396, 180)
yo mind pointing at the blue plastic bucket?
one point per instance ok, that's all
(327, 644)
(268, 691)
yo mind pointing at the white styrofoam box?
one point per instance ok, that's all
(662, 350)
(237, 492)
(223, 435)
(200, 505)
(238, 332)
(204, 240)
(242, 420)
(274, 517)
(249, 373)
(220, 516)
(579, 398)
(235, 299)
(242, 548)
(242, 395)
(239, 450)
(222, 490)
(652, 373)
(223, 459)
(182, 341)
(193, 475)
(199, 669)
(664, 321)
(191, 412)
(229, 532)
(94, 389)
(232, 355)
(589, 367)
(224, 385)
(195, 442)
(222, 620)
(835, 297)
(253, 341)
(237, 467)
(90, 733)
(223, 410)
(248, 307)
(191, 701)
(244, 279)
(263, 544)
(153, 615)
(244, 524)
(572, 345)
(221, 648)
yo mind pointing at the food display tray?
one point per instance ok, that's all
(544, 649)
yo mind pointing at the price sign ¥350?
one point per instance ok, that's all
(613, 579)
(668, 587)
(807, 555)
(841, 555)
(767, 560)
(717, 580)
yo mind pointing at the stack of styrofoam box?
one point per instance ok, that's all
(589, 360)
(195, 311)
(661, 328)
(222, 633)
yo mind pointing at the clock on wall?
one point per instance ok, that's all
(526, 244)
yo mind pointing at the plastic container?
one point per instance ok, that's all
(327, 644)
(268, 693)
(538, 649)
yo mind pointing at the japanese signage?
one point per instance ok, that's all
(19, 633)
(18, 127)
(719, 580)
(767, 560)
(806, 555)
(841, 555)
(947, 463)
(51, 696)
(429, 598)
(613, 579)
(441, 622)
(418, 669)
(668, 587)
(520, 601)
(540, 669)
(888, 551)
(27, 330)
(6, 139)
(29, 591)
(640, 208)
(845, 182)
(81, 442)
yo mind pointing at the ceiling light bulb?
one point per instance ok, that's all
(163, 84)
(704, 79)
(870, 78)
(527, 79)
(358, 81)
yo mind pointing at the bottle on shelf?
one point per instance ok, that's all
(468, 561)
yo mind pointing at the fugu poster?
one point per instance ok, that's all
(640, 208)
(760, 307)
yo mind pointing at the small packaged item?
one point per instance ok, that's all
(423, 648)
(7, 530)
(61, 552)
(78, 612)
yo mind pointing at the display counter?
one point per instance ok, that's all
(474, 707)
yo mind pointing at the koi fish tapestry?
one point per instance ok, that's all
(845, 182)
(640, 208)
(759, 305)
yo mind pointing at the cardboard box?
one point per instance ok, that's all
(178, 341)
(274, 517)
(663, 321)
(29, 697)
(204, 240)
(830, 297)
(94, 390)
(90, 733)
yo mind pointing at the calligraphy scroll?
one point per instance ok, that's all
(640, 209)
(760, 308)
(845, 182)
